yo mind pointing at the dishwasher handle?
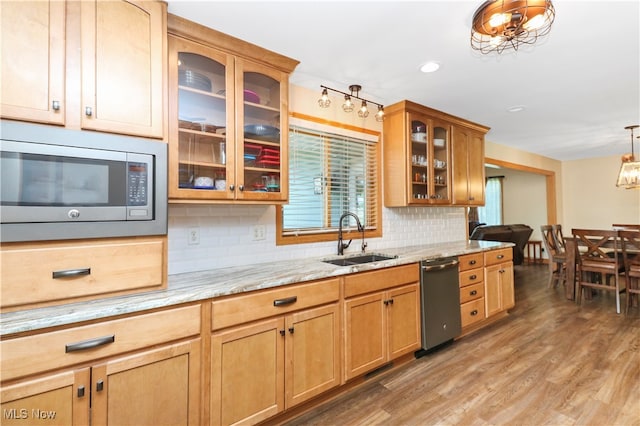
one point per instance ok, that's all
(436, 266)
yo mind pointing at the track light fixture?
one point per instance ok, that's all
(348, 105)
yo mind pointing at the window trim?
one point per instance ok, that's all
(330, 235)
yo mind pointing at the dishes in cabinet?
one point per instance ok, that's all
(250, 96)
(438, 143)
(194, 80)
(262, 132)
(419, 137)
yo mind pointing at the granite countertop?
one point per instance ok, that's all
(198, 286)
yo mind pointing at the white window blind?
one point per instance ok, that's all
(331, 171)
(491, 213)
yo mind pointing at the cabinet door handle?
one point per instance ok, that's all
(88, 111)
(89, 344)
(71, 273)
(80, 391)
(501, 271)
(472, 198)
(232, 187)
(55, 105)
(99, 385)
(282, 332)
(241, 188)
(473, 293)
(291, 330)
(474, 312)
(285, 301)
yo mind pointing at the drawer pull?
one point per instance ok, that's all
(473, 293)
(472, 262)
(473, 277)
(474, 312)
(285, 301)
(71, 273)
(89, 344)
(500, 256)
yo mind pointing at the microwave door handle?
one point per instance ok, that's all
(71, 273)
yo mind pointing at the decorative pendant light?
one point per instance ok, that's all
(629, 176)
(507, 24)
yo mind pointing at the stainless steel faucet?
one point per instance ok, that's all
(342, 245)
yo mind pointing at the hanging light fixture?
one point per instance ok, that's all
(348, 105)
(629, 176)
(506, 24)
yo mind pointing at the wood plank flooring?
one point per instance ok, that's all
(550, 362)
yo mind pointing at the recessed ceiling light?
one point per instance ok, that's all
(430, 66)
(516, 108)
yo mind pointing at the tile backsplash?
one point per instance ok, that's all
(226, 234)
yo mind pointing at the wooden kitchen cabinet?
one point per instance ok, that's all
(33, 61)
(471, 279)
(54, 272)
(435, 168)
(467, 166)
(229, 102)
(382, 317)
(144, 369)
(286, 352)
(104, 67)
(499, 291)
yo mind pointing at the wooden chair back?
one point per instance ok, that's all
(598, 250)
(548, 240)
(558, 238)
(630, 242)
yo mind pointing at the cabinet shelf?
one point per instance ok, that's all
(201, 92)
(202, 164)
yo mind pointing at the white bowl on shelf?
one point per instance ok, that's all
(439, 143)
(419, 137)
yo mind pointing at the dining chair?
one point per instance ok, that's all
(599, 258)
(630, 241)
(558, 238)
(556, 255)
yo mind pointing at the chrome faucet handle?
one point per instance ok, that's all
(364, 246)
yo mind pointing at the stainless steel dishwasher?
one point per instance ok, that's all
(440, 294)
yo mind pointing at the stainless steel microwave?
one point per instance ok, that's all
(58, 183)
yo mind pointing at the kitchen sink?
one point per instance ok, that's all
(359, 260)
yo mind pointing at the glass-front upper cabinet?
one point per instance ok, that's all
(429, 146)
(261, 141)
(201, 125)
(226, 115)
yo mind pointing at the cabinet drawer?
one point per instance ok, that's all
(37, 274)
(472, 312)
(471, 292)
(494, 257)
(381, 279)
(472, 276)
(470, 261)
(43, 352)
(240, 309)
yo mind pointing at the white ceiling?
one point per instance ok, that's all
(580, 85)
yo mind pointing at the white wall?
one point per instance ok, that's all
(591, 197)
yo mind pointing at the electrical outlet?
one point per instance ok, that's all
(259, 232)
(193, 237)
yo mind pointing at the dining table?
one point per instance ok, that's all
(571, 252)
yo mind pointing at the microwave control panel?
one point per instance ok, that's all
(137, 185)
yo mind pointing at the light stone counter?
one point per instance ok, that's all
(198, 286)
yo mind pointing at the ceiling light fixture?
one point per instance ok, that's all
(430, 66)
(506, 24)
(348, 104)
(629, 176)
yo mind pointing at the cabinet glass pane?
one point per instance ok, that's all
(419, 159)
(202, 122)
(440, 163)
(261, 133)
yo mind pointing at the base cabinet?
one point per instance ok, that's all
(471, 279)
(382, 325)
(267, 366)
(139, 370)
(498, 278)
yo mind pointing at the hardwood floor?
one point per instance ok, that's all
(550, 362)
